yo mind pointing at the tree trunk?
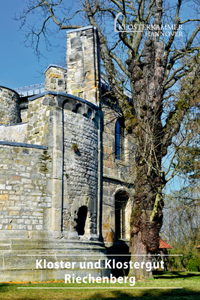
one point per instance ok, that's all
(144, 232)
(146, 218)
(144, 256)
(144, 121)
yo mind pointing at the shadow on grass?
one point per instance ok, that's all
(119, 247)
(4, 285)
(184, 294)
(173, 275)
(9, 291)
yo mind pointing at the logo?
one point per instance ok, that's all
(165, 30)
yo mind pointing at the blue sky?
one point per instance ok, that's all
(18, 64)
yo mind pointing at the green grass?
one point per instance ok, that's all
(190, 282)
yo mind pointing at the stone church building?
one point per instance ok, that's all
(66, 167)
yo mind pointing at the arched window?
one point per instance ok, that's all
(77, 108)
(121, 199)
(89, 113)
(82, 215)
(119, 139)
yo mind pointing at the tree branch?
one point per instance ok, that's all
(120, 63)
(176, 116)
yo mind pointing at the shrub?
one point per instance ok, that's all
(194, 265)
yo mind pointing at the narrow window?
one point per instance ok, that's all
(89, 113)
(82, 215)
(119, 139)
(77, 108)
(121, 199)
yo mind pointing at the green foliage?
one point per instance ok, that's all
(135, 214)
(191, 162)
(188, 261)
(130, 120)
(182, 104)
(194, 265)
(75, 147)
(181, 226)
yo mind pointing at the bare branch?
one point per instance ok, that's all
(173, 34)
(189, 20)
(176, 116)
(120, 63)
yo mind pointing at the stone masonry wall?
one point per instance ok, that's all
(23, 191)
(16, 133)
(9, 106)
(118, 175)
(56, 79)
(39, 111)
(83, 74)
(110, 189)
(80, 169)
(116, 168)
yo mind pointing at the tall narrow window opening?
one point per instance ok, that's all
(121, 199)
(82, 215)
(119, 139)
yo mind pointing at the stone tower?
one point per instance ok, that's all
(9, 106)
(50, 197)
(64, 185)
(83, 68)
(56, 79)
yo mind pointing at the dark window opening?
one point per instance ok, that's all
(82, 215)
(77, 108)
(121, 199)
(119, 139)
(89, 113)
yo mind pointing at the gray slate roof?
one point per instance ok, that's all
(35, 89)
(30, 90)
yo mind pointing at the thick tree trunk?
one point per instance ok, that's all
(140, 255)
(146, 218)
(144, 231)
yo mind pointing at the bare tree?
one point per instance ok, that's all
(181, 224)
(151, 62)
(182, 217)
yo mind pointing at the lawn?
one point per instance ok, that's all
(185, 285)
